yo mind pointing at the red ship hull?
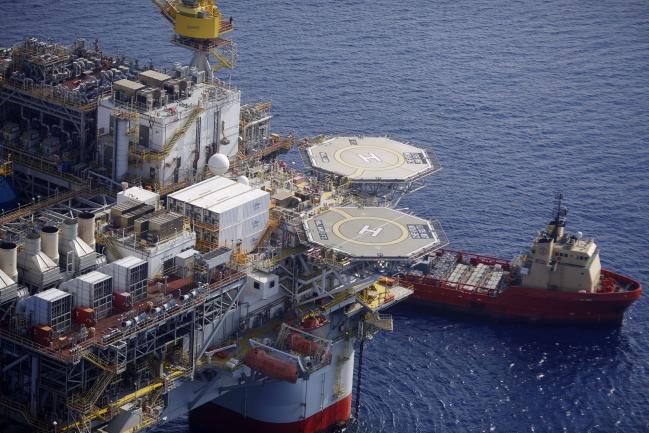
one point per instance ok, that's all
(213, 418)
(528, 304)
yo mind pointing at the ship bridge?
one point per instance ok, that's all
(374, 233)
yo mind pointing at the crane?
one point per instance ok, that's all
(198, 26)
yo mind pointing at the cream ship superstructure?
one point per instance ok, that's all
(562, 261)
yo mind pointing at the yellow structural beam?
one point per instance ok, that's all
(176, 374)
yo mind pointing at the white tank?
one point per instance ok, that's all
(218, 164)
(50, 242)
(9, 259)
(243, 180)
(87, 228)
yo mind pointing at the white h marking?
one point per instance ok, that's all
(369, 157)
(375, 232)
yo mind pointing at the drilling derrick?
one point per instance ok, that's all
(199, 26)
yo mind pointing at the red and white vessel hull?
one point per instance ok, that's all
(321, 403)
(523, 303)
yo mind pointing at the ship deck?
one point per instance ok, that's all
(110, 328)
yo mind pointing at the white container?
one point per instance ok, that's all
(140, 195)
(93, 290)
(52, 308)
(130, 274)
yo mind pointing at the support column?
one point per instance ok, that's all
(33, 406)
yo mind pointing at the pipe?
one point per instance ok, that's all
(9, 259)
(87, 228)
(108, 179)
(120, 155)
(50, 242)
(26, 119)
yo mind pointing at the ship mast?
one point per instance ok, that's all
(560, 217)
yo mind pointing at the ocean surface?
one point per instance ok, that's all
(518, 99)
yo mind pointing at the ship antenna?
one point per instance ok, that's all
(560, 214)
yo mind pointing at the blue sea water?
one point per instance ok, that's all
(518, 99)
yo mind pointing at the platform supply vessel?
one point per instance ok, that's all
(560, 280)
(164, 261)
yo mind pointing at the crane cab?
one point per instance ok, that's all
(198, 19)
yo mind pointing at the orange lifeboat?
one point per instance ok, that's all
(265, 363)
(388, 281)
(302, 345)
(313, 322)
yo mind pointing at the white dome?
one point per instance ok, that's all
(243, 180)
(218, 164)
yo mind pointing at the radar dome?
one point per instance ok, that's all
(243, 180)
(218, 164)
(579, 235)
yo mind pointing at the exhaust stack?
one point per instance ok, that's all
(9, 259)
(37, 269)
(76, 256)
(87, 228)
(50, 242)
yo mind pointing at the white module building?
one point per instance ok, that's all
(163, 128)
(225, 213)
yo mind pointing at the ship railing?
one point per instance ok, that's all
(48, 93)
(319, 358)
(81, 350)
(479, 258)
(31, 345)
(175, 310)
(39, 162)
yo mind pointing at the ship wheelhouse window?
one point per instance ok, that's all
(256, 285)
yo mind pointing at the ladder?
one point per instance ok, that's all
(270, 228)
(228, 59)
(166, 150)
(99, 387)
(109, 243)
(89, 356)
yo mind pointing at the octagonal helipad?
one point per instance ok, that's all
(371, 159)
(374, 233)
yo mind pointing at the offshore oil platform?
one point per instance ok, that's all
(158, 259)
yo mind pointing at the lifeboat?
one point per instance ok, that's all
(260, 360)
(313, 322)
(302, 345)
